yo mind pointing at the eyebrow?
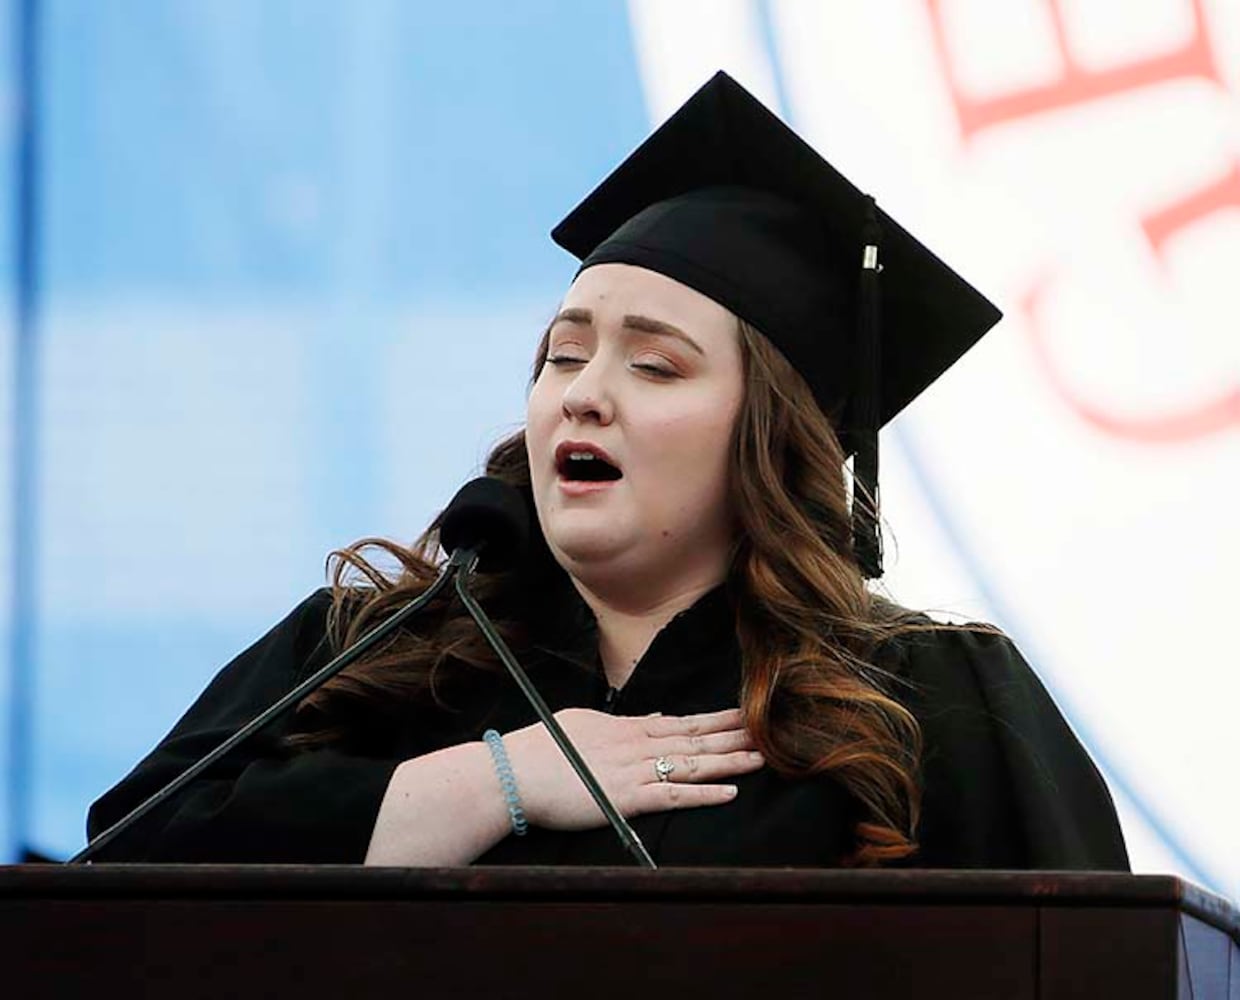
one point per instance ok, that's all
(643, 324)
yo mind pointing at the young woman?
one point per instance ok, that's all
(694, 604)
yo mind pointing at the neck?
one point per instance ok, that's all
(626, 627)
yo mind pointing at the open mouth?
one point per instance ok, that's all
(585, 467)
(584, 462)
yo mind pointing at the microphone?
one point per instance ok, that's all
(486, 522)
(492, 523)
(487, 517)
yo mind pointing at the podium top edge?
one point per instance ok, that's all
(924, 887)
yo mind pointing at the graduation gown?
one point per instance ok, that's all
(1006, 783)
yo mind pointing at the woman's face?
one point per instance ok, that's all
(628, 430)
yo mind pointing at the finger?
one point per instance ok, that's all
(669, 795)
(692, 725)
(724, 742)
(699, 768)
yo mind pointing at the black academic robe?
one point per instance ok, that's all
(1006, 783)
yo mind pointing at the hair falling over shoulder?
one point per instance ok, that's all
(809, 628)
(373, 578)
(812, 694)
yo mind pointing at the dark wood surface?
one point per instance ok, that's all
(190, 931)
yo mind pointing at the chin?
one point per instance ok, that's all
(582, 551)
(581, 546)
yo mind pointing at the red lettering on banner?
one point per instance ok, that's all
(1161, 225)
(1075, 84)
(1194, 420)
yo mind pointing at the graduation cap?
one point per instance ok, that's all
(725, 198)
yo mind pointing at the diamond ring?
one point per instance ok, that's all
(663, 768)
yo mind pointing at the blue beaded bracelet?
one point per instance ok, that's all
(507, 781)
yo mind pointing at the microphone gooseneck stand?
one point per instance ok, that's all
(628, 836)
(461, 565)
(486, 514)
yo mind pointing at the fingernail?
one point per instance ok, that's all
(730, 791)
(755, 755)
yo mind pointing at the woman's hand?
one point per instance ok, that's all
(704, 750)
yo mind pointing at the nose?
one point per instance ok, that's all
(587, 397)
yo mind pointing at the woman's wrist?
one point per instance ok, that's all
(507, 782)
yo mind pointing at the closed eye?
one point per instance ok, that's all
(657, 370)
(563, 360)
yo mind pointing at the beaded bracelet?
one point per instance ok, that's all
(507, 781)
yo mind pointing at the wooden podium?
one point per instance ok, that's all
(345, 932)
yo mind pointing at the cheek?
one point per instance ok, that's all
(703, 430)
(691, 454)
(540, 415)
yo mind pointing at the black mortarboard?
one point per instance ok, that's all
(728, 200)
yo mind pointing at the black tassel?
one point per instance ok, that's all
(867, 539)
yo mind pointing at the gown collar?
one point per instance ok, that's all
(694, 659)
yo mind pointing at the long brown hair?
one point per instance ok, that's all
(808, 626)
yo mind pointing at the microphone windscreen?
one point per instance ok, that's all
(490, 516)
